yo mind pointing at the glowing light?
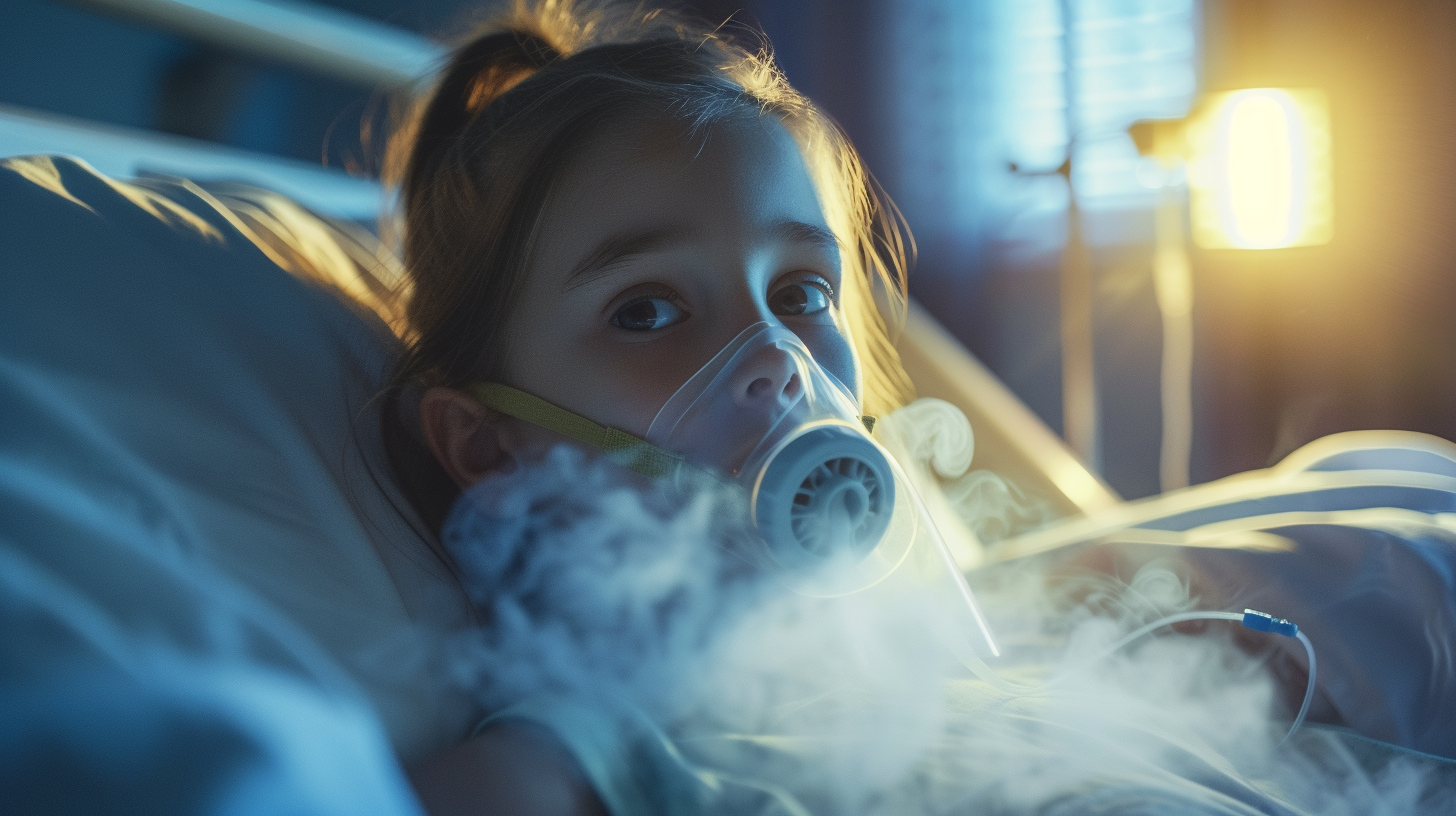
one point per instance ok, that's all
(1260, 141)
(1260, 174)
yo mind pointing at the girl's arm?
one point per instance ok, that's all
(512, 767)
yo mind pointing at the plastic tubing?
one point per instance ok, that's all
(1251, 619)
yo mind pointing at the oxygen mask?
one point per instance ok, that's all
(833, 510)
(763, 413)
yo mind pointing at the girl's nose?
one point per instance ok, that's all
(769, 380)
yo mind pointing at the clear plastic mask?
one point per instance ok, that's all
(833, 508)
(763, 412)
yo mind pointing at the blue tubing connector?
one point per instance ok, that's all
(1264, 622)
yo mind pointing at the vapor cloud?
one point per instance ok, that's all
(613, 593)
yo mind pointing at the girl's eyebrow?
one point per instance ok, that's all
(802, 232)
(616, 249)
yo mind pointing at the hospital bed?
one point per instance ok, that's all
(197, 541)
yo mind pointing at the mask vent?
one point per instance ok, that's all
(839, 501)
(824, 493)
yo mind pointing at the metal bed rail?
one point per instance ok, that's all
(320, 39)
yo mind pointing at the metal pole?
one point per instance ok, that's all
(1080, 411)
(1080, 420)
(1173, 283)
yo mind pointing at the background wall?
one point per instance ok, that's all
(944, 97)
(1358, 333)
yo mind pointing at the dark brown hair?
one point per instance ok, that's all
(477, 158)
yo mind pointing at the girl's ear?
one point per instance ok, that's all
(469, 440)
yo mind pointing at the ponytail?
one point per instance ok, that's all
(478, 74)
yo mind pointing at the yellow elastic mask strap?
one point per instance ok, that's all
(623, 448)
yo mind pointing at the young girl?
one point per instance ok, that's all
(595, 203)
(600, 206)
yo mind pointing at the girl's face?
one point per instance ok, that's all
(655, 250)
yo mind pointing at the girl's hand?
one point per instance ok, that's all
(513, 768)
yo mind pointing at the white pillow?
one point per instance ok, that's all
(184, 358)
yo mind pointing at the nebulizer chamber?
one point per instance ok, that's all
(765, 413)
(835, 512)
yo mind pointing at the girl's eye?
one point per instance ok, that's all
(801, 298)
(648, 314)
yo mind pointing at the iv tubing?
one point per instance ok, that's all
(1251, 619)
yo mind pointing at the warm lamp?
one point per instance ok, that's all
(1259, 169)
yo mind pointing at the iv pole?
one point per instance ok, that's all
(1080, 413)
